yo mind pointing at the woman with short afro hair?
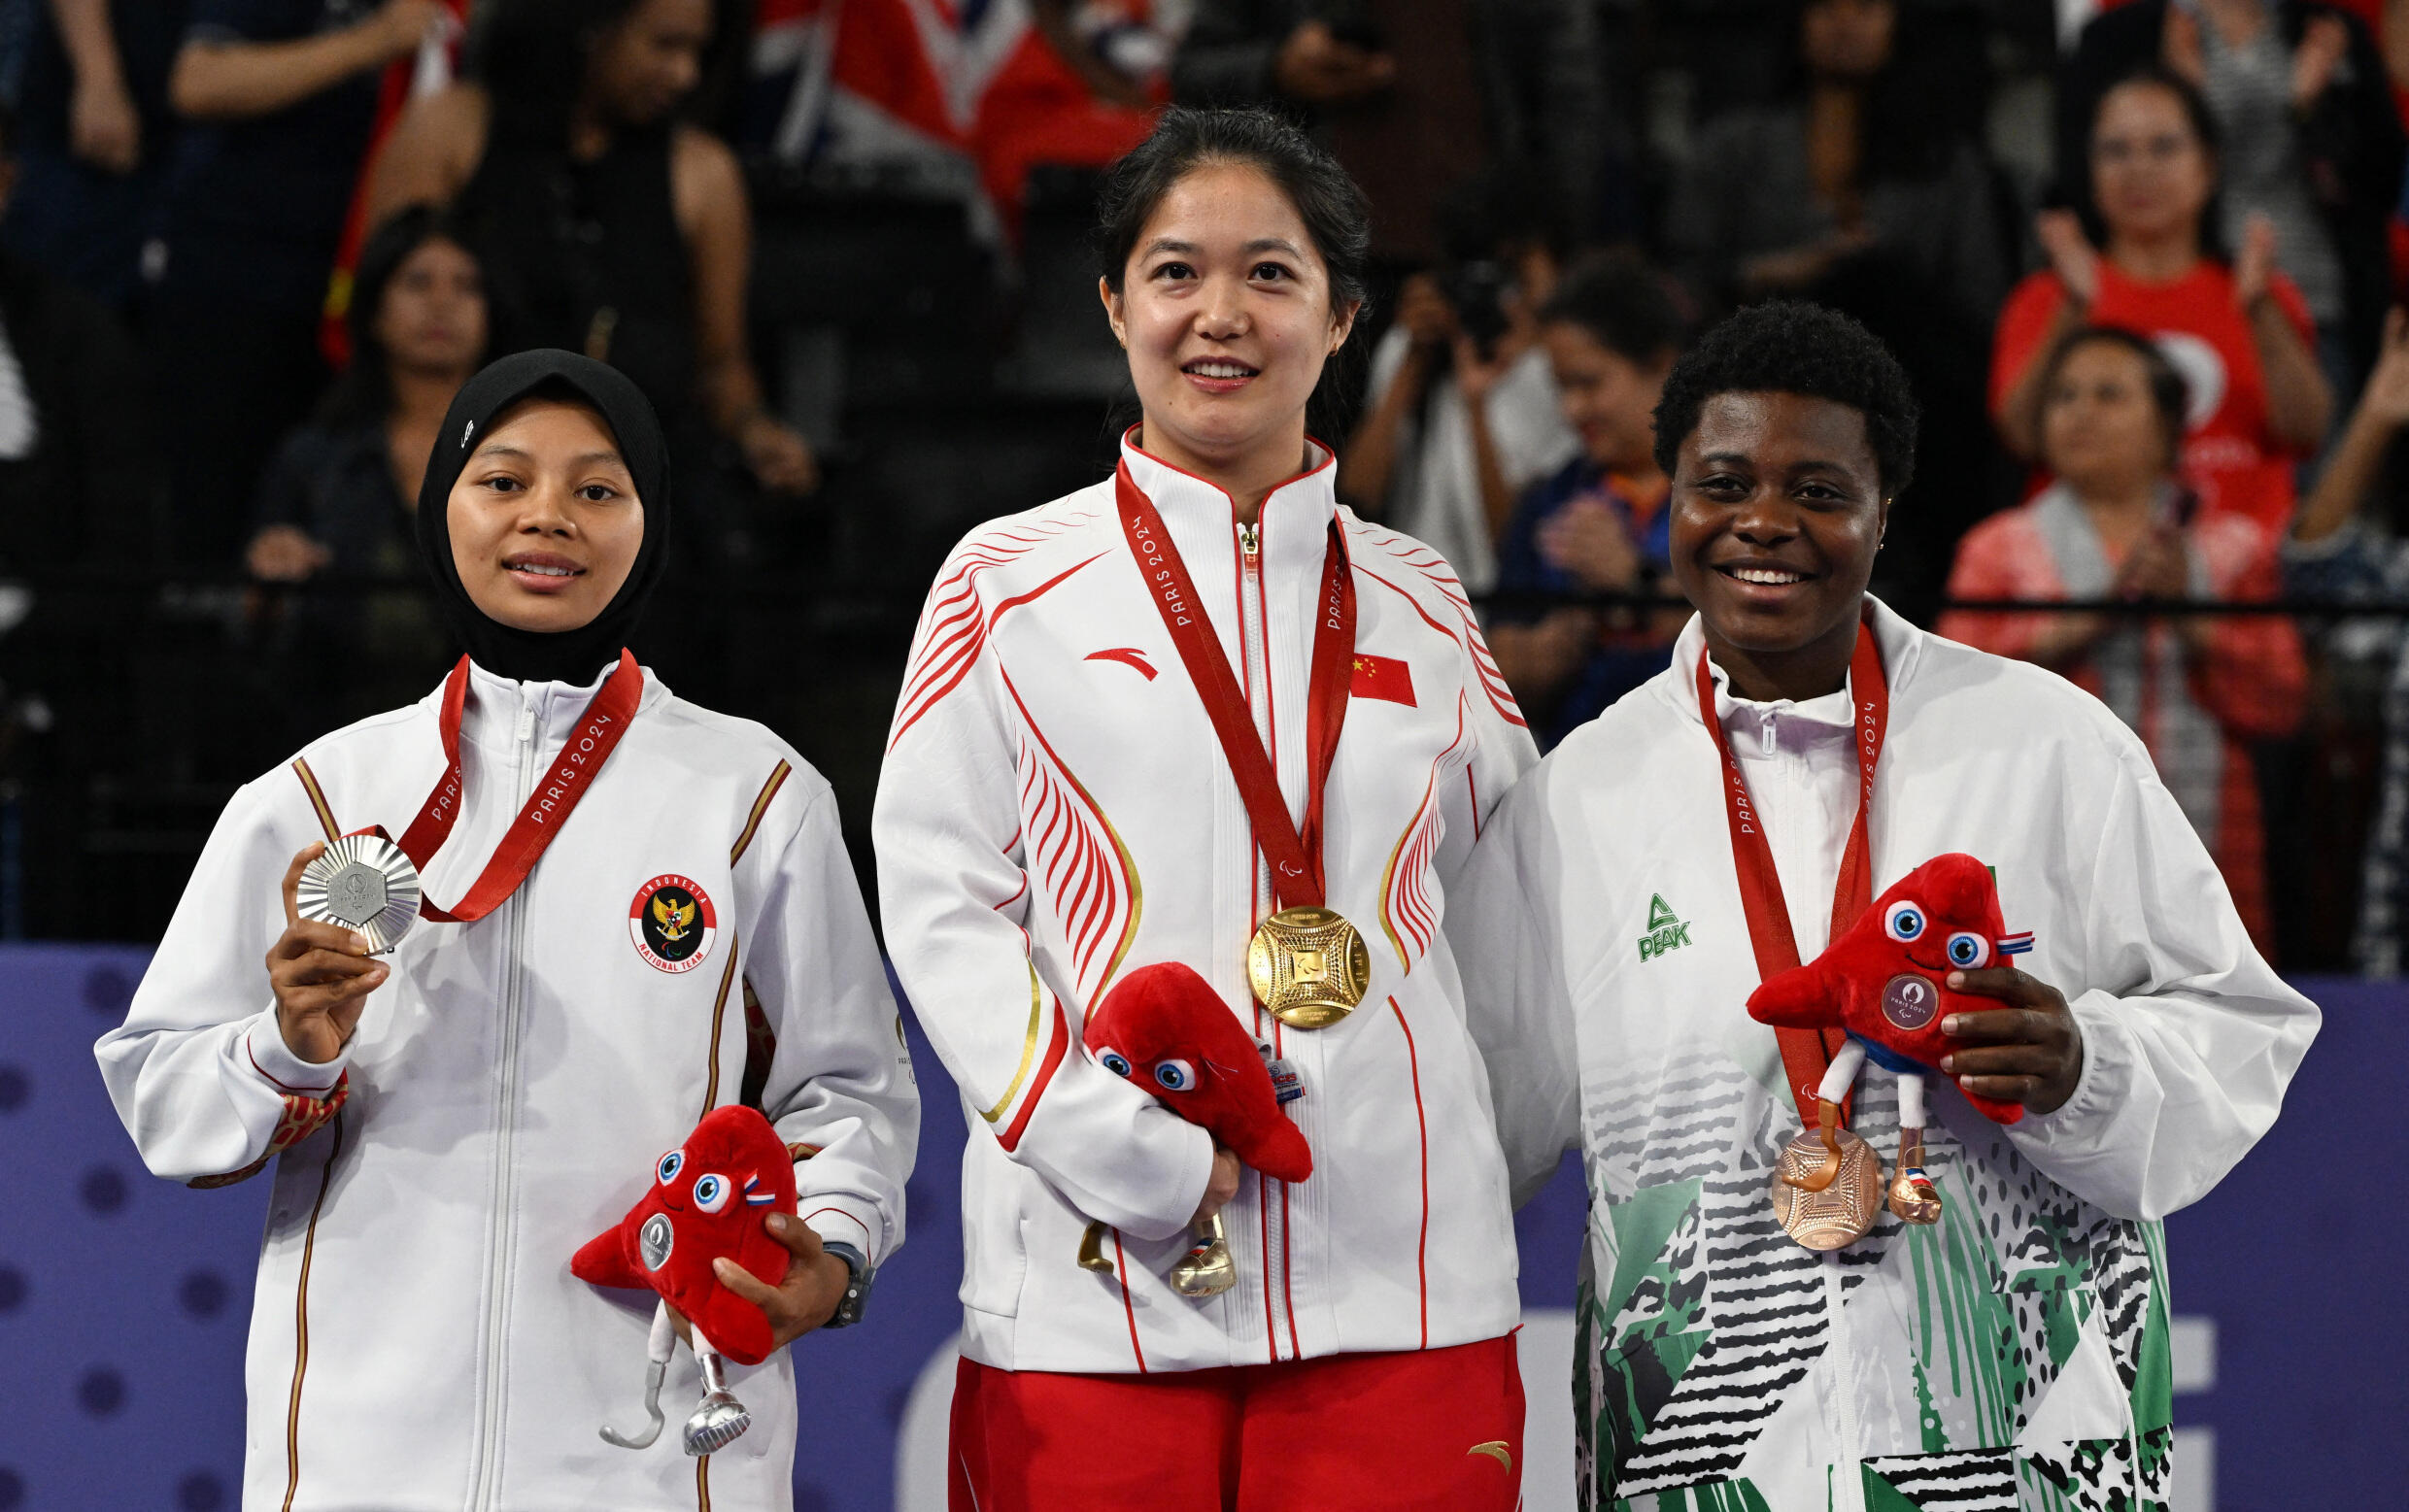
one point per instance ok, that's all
(1997, 1330)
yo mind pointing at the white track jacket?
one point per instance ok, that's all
(1055, 811)
(2014, 1355)
(417, 1343)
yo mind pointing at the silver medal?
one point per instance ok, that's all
(364, 883)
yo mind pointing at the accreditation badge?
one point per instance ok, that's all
(672, 923)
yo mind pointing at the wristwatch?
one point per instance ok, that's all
(856, 1284)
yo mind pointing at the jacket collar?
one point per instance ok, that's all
(491, 718)
(1901, 645)
(1295, 522)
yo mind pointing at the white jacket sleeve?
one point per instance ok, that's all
(840, 1082)
(956, 899)
(1510, 953)
(2189, 1037)
(199, 1071)
(1502, 752)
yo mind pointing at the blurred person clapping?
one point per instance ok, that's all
(645, 262)
(2309, 136)
(2238, 330)
(2118, 524)
(1599, 525)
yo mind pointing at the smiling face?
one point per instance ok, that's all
(2101, 432)
(1777, 511)
(1608, 399)
(545, 522)
(1225, 307)
(2150, 172)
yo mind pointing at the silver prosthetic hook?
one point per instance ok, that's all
(719, 1419)
(656, 1348)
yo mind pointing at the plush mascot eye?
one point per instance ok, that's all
(1115, 1062)
(1903, 920)
(1967, 949)
(670, 1164)
(711, 1191)
(1174, 1075)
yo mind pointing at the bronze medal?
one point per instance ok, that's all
(1913, 1195)
(1309, 967)
(1844, 1209)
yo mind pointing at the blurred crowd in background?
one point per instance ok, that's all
(2141, 262)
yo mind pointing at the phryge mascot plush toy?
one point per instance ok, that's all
(1885, 980)
(707, 1199)
(1164, 1029)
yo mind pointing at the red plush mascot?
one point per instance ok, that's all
(1885, 980)
(707, 1199)
(1165, 1029)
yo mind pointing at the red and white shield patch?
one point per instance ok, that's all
(672, 923)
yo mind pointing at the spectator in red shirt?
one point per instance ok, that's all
(2117, 525)
(2238, 331)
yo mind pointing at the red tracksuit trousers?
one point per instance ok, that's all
(1392, 1432)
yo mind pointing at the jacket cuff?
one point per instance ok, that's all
(2084, 1121)
(845, 1220)
(272, 1060)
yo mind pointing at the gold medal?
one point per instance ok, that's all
(1827, 1185)
(1309, 967)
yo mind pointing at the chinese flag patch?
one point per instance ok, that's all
(1382, 677)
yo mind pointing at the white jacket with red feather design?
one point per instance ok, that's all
(1055, 811)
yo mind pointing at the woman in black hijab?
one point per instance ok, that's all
(546, 632)
(556, 1015)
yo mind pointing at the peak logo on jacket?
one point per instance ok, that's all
(672, 923)
(1664, 931)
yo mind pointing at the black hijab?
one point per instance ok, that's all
(533, 655)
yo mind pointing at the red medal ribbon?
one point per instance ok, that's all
(556, 796)
(1295, 856)
(1806, 1053)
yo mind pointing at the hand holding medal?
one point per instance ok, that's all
(320, 968)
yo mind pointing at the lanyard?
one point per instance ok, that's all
(557, 793)
(1295, 856)
(1805, 1053)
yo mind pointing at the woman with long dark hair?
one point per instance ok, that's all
(608, 224)
(338, 497)
(1198, 714)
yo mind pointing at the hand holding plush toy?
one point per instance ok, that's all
(707, 1201)
(1885, 980)
(1164, 1029)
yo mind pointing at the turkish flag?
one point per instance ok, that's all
(1382, 677)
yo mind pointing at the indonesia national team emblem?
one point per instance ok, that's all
(672, 923)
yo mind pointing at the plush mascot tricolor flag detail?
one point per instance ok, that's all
(707, 1198)
(1886, 979)
(1165, 1029)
